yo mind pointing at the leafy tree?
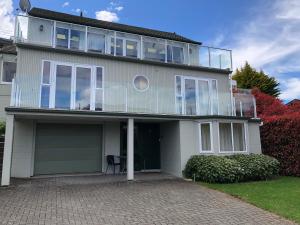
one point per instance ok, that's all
(248, 78)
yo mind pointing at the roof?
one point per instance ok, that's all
(48, 14)
(4, 41)
(294, 101)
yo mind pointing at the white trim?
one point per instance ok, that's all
(148, 82)
(245, 139)
(211, 137)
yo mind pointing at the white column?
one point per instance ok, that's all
(130, 149)
(8, 145)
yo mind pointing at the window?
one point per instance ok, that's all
(131, 48)
(232, 137)
(175, 54)
(96, 42)
(8, 71)
(71, 86)
(77, 40)
(205, 137)
(45, 89)
(62, 37)
(204, 99)
(124, 46)
(141, 83)
(178, 95)
(190, 97)
(154, 50)
(214, 97)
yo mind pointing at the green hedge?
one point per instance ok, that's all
(230, 169)
(256, 167)
(2, 128)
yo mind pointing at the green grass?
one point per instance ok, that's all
(280, 196)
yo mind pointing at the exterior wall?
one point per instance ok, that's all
(5, 89)
(170, 154)
(111, 141)
(23, 149)
(254, 138)
(118, 78)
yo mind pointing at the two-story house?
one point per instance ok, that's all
(85, 89)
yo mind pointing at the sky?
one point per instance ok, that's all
(266, 33)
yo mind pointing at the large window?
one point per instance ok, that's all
(125, 45)
(70, 38)
(77, 40)
(154, 50)
(8, 71)
(206, 137)
(232, 137)
(62, 37)
(196, 96)
(70, 86)
(96, 42)
(175, 54)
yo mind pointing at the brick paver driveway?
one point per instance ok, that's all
(88, 200)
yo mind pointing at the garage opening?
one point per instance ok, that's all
(68, 148)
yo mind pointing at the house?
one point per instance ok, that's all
(85, 89)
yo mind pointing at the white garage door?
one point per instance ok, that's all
(67, 148)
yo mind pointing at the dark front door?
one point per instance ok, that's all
(146, 145)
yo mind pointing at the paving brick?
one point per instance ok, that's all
(152, 199)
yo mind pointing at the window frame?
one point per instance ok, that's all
(2, 71)
(52, 83)
(245, 125)
(211, 137)
(148, 82)
(183, 78)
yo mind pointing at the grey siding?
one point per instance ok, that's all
(170, 148)
(118, 77)
(254, 138)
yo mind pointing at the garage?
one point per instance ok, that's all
(67, 148)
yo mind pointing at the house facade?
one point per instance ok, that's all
(85, 89)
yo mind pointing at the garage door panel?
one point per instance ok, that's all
(67, 148)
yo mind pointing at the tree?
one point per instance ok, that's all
(248, 78)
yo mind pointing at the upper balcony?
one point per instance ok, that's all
(69, 36)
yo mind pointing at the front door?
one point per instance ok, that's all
(146, 145)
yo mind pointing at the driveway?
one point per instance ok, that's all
(103, 200)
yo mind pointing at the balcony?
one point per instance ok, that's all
(60, 35)
(134, 98)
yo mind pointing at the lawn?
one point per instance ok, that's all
(280, 196)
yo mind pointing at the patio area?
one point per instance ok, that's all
(152, 198)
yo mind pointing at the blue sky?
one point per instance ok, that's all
(264, 32)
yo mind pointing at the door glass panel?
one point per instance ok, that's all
(214, 95)
(45, 96)
(46, 72)
(203, 97)
(63, 86)
(239, 137)
(190, 97)
(83, 88)
(62, 37)
(77, 40)
(99, 77)
(98, 101)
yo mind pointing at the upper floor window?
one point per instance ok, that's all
(62, 37)
(70, 37)
(154, 49)
(8, 71)
(96, 42)
(125, 45)
(175, 54)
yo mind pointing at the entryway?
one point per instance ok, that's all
(146, 145)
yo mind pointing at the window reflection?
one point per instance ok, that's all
(154, 51)
(62, 37)
(63, 86)
(83, 88)
(96, 42)
(190, 97)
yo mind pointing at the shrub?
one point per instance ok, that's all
(2, 128)
(256, 167)
(229, 169)
(213, 169)
(280, 138)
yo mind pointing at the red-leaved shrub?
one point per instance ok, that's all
(280, 133)
(280, 138)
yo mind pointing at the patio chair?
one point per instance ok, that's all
(110, 159)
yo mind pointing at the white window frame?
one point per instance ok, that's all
(2, 71)
(124, 49)
(52, 83)
(232, 137)
(183, 78)
(174, 45)
(211, 137)
(86, 40)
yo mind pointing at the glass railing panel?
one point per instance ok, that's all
(204, 56)
(244, 102)
(220, 58)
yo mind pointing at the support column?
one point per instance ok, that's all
(7, 154)
(130, 149)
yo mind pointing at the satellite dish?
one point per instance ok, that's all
(25, 5)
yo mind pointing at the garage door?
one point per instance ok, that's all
(67, 148)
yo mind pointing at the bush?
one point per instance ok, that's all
(213, 169)
(229, 169)
(280, 138)
(256, 167)
(2, 128)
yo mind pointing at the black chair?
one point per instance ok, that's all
(110, 159)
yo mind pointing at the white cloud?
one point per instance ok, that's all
(119, 8)
(6, 18)
(270, 40)
(107, 16)
(65, 4)
(291, 88)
